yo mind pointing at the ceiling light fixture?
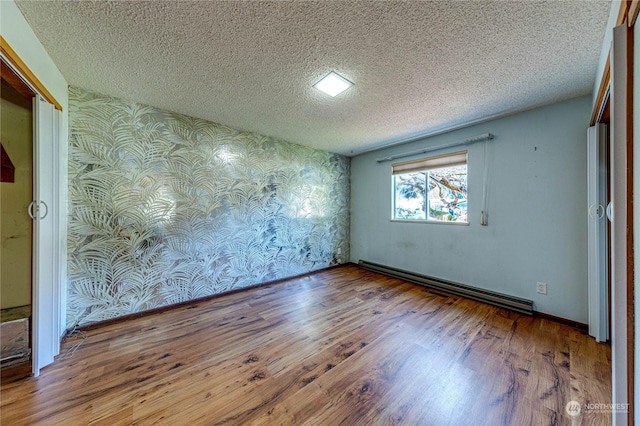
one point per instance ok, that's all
(333, 84)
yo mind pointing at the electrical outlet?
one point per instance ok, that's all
(541, 288)
(339, 250)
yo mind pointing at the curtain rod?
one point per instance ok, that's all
(486, 136)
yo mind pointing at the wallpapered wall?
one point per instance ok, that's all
(166, 208)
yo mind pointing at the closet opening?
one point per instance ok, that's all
(16, 232)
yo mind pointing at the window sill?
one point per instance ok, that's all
(436, 222)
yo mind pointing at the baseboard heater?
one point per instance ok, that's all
(517, 304)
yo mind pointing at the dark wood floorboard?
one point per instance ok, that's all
(342, 347)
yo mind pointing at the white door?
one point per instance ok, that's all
(46, 296)
(597, 231)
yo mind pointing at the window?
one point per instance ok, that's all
(431, 189)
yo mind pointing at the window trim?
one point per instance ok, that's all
(439, 222)
(426, 164)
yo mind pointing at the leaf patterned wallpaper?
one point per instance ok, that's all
(166, 208)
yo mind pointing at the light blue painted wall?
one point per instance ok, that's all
(537, 211)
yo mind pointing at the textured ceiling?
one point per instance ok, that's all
(418, 67)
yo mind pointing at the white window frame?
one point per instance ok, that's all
(425, 165)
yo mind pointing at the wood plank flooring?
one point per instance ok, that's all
(341, 347)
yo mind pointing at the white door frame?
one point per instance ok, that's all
(619, 224)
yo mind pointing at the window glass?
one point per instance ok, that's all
(410, 194)
(434, 194)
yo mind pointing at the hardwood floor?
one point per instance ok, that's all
(342, 347)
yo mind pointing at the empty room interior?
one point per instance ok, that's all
(318, 212)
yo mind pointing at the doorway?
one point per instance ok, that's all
(599, 229)
(46, 210)
(16, 194)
